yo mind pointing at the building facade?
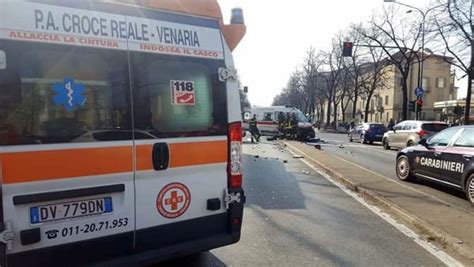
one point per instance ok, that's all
(387, 101)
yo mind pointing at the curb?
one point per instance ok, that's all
(432, 233)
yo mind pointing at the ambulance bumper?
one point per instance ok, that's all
(151, 245)
(177, 251)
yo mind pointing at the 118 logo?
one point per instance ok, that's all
(182, 92)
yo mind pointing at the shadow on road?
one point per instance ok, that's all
(269, 185)
(198, 260)
(442, 188)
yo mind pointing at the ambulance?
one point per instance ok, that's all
(120, 131)
(268, 120)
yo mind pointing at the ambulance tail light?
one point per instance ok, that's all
(234, 168)
(421, 133)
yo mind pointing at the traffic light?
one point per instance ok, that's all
(419, 105)
(347, 49)
(411, 106)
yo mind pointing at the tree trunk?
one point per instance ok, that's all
(354, 107)
(343, 109)
(306, 106)
(328, 113)
(356, 98)
(321, 114)
(467, 110)
(405, 98)
(367, 108)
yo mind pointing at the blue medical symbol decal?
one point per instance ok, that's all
(69, 94)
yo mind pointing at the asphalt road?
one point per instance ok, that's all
(296, 217)
(379, 160)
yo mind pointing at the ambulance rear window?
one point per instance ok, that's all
(177, 96)
(61, 94)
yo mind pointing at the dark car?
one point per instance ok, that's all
(447, 158)
(367, 133)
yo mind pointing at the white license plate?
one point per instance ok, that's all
(68, 210)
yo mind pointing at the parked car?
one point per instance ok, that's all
(367, 133)
(409, 133)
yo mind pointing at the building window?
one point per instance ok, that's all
(386, 100)
(441, 82)
(387, 119)
(426, 83)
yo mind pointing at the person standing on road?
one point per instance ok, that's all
(254, 132)
(390, 124)
(281, 124)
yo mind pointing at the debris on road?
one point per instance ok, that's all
(257, 156)
(317, 147)
(306, 172)
(285, 161)
(298, 156)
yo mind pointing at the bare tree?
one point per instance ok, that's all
(354, 65)
(311, 66)
(399, 39)
(373, 76)
(293, 93)
(333, 67)
(347, 88)
(455, 27)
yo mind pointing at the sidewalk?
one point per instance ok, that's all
(447, 226)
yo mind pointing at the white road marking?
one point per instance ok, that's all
(439, 254)
(382, 176)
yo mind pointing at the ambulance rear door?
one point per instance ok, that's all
(181, 175)
(66, 142)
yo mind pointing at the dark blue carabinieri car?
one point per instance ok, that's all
(446, 158)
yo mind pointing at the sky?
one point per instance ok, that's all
(280, 32)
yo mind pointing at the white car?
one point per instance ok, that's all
(409, 133)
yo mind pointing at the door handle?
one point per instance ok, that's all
(467, 157)
(437, 153)
(160, 156)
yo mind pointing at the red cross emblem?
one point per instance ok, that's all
(173, 200)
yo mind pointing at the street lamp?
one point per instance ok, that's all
(423, 15)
